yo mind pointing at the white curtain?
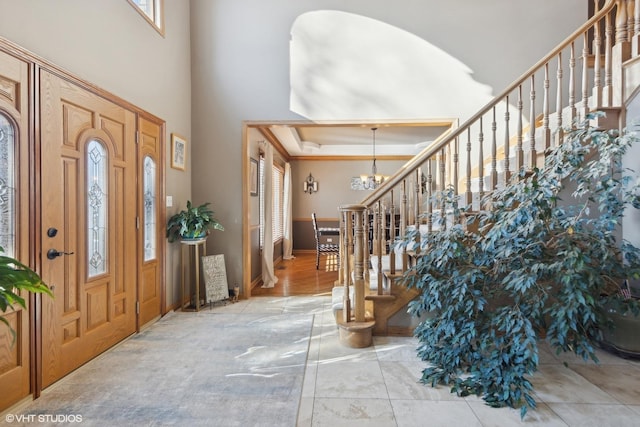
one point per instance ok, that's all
(287, 242)
(269, 278)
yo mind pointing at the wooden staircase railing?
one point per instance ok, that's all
(582, 74)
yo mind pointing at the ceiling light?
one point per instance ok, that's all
(373, 180)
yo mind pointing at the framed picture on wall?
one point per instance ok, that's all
(253, 177)
(178, 152)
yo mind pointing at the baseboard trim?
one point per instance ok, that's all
(256, 282)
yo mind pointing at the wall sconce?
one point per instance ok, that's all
(310, 185)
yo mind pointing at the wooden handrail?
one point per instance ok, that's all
(474, 158)
(450, 135)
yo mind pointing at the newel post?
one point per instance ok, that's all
(346, 251)
(355, 218)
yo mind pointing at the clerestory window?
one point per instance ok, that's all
(152, 11)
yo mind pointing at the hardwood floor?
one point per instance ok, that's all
(299, 276)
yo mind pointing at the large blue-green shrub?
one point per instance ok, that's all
(537, 267)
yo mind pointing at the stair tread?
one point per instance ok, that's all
(388, 274)
(397, 274)
(376, 297)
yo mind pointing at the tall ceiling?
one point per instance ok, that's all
(303, 140)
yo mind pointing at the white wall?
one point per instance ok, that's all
(241, 64)
(109, 44)
(631, 220)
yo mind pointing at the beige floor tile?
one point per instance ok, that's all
(307, 305)
(604, 358)
(237, 307)
(582, 415)
(309, 383)
(546, 355)
(403, 382)
(314, 346)
(620, 381)
(420, 413)
(305, 412)
(633, 362)
(273, 305)
(328, 323)
(557, 383)
(396, 348)
(542, 415)
(332, 350)
(352, 412)
(347, 379)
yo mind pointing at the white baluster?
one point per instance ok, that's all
(532, 125)
(507, 137)
(494, 153)
(572, 85)
(481, 164)
(596, 48)
(559, 132)
(546, 133)
(468, 190)
(519, 133)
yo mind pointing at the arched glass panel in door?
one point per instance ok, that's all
(7, 186)
(97, 219)
(150, 205)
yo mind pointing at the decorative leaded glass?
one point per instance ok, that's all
(7, 186)
(97, 191)
(149, 188)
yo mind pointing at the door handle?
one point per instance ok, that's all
(53, 253)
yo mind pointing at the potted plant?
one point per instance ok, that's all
(621, 332)
(192, 223)
(544, 263)
(16, 277)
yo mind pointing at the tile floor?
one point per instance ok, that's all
(340, 386)
(379, 386)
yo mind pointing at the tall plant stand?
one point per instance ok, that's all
(192, 247)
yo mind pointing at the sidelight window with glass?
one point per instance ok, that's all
(7, 186)
(150, 203)
(97, 192)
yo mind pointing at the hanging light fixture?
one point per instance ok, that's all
(374, 180)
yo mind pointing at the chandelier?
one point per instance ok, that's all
(373, 180)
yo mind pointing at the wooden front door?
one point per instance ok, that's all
(88, 224)
(15, 227)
